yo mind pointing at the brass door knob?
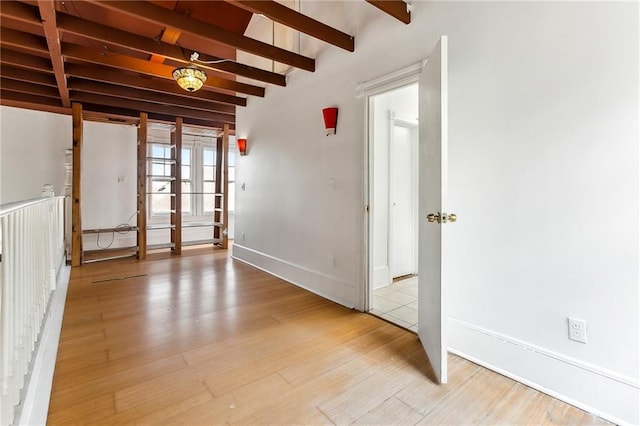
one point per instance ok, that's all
(452, 217)
(431, 217)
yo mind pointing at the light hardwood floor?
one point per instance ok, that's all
(201, 339)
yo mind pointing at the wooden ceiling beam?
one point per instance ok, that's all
(150, 107)
(124, 62)
(106, 75)
(26, 100)
(23, 41)
(395, 8)
(33, 77)
(32, 89)
(292, 19)
(22, 60)
(91, 30)
(124, 112)
(148, 96)
(48, 17)
(206, 31)
(20, 12)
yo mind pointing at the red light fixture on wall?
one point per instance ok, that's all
(242, 146)
(330, 119)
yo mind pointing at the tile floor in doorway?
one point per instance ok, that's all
(398, 303)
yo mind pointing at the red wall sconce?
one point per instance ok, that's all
(330, 120)
(242, 146)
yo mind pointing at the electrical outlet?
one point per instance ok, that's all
(243, 236)
(332, 261)
(577, 330)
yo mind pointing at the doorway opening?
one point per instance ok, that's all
(393, 200)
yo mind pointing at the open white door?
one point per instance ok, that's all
(432, 220)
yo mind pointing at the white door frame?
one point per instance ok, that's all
(366, 91)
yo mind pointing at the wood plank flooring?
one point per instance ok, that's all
(200, 339)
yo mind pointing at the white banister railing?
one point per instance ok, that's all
(32, 253)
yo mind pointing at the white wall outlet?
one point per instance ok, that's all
(332, 261)
(577, 330)
(243, 236)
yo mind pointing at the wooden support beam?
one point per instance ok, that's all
(128, 115)
(142, 187)
(292, 19)
(22, 60)
(159, 49)
(35, 102)
(207, 32)
(128, 63)
(150, 96)
(28, 77)
(76, 212)
(48, 16)
(20, 12)
(151, 107)
(28, 88)
(106, 75)
(176, 188)
(22, 41)
(169, 36)
(219, 197)
(395, 8)
(225, 186)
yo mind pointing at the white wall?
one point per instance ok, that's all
(32, 155)
(544, 177)
(109, 175)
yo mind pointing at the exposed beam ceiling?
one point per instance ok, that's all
(200, 29)
(106, 75)
(124, 62)
(117, 57)
(126, 40)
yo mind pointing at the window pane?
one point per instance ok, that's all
(208, 172)
(160, 203)
(186, 198)
(157, 169)
(209, 157)
(232, 174)
(232, 159)
(186, 156)
(186, 172)
(157, 150)
(208, 198)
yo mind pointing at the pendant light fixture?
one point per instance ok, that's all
(189, 78)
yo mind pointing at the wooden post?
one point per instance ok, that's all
(76, 214)
(218, 197)
(225, 186)
(176, 188)
(142, 186)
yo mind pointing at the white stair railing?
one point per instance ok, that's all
(32, 253)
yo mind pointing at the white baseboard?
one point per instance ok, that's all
(34, 409)
(316, 282)
(605, 393)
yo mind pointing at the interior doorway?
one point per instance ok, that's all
(393, 200)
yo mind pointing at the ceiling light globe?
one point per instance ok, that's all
(189, 78)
